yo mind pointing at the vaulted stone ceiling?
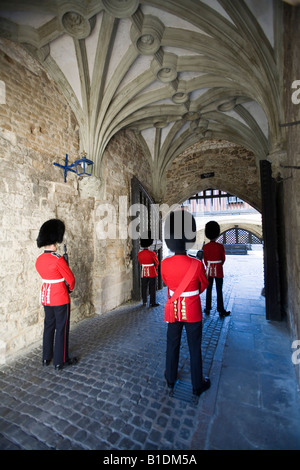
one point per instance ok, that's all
(174, 71)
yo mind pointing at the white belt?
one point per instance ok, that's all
(52, 281)
(186, 294)
(211, 262)
(146, 265)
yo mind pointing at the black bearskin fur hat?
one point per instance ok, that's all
(180, 231)
(146, 239)
(212, 230)
(51, 232)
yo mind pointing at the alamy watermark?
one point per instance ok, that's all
(2, 351)
(296, 354)
(122, 222)
(296, 94)
(2, 92)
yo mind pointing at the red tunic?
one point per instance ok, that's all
(149, 262)
(54, 271)
(186, 308)
(213, 252)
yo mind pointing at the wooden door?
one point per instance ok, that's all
(148, 218)
(270, 236)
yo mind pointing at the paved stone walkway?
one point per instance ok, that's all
(115, 398)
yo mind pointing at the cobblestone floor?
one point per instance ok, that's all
(115, 397)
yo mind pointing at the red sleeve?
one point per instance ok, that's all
(223, 254)
(203, 278)
(155, 259)
(66, 272)
(205, 255)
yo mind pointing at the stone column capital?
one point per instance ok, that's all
(278, 158)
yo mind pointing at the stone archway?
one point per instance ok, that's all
(233, 167)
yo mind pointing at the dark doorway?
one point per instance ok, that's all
(270, 235)
(147, 218)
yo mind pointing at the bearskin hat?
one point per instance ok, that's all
(212, 230)
(51, 232)
(146, 239)
(180, 230)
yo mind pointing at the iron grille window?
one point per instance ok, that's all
(236, 236)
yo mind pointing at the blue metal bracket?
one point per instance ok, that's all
(66, 167)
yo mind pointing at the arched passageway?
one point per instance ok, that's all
(154, 90)
(183, 95)
(238, 235)
(232, 168)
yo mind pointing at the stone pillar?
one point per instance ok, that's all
(291, 177)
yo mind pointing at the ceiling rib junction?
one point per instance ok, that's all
(174, 72)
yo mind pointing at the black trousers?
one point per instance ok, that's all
(56, 334)
(151, 282)
(219, 287)
(194, 338)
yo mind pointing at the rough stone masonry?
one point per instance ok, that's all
(37, 129)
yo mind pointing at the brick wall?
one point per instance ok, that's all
(38, 128)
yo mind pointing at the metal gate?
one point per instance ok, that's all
(146, 217)
(237, 235)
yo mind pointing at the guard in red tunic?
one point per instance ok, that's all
(185, 279)
(149, 263)
(58, 280)
(214, 258)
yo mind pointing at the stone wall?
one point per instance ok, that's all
(38, 128)
(291, 176)
(123, 159)
(234, 170)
